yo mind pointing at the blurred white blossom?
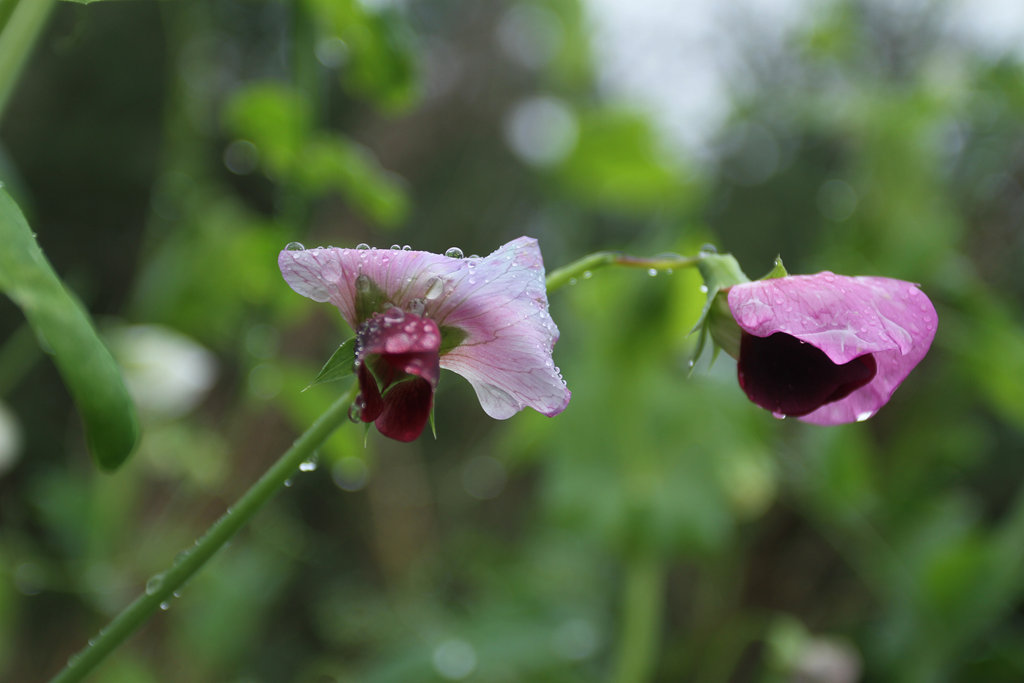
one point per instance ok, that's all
(167, 373)
(10, 439)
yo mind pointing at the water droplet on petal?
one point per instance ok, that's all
(363, 246)
(394, 314)
(417, 307)
(294, 246)
(779, 416)
(363, 283)
(865, 415)
(396, 247)
(406, 247)
(453, 252)
(434, 289)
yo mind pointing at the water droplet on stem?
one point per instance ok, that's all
(154, 584)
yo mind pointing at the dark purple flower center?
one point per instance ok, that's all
(791, 377)
(397, 363)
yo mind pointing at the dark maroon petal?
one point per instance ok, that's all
(790, 377)
(401, 344)
(372, 403)
(406, 409)
(398, 357)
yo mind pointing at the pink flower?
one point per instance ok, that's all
(415, 312)
(829, 348)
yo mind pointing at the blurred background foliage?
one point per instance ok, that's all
(662, 528)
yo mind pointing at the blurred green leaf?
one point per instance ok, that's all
(333, 162)
(274, 117)
(278, 120)
(62, 324)
(377, 60)
(617, 164)
(991, 343)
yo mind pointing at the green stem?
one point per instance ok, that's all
(19, 34)
(162, 587)
(641, 618)
(581, 267)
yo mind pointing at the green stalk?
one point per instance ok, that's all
(19, 35)
(581, 267)
(162, 587)
(642, 601)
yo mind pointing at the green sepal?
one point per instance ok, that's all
(720, 272)
(722, 326)
(451, 337)
(339, 366)
(370, 298)
(433, 426)
(778, 270)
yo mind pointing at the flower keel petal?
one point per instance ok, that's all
(846, 318)
(792, 378)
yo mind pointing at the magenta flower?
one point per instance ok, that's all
(829, 348)
(415, 312)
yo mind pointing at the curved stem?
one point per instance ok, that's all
(641, 618)
(579, 268)
(162, 587)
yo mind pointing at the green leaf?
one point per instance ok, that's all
(339, 365)
(61, 322)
